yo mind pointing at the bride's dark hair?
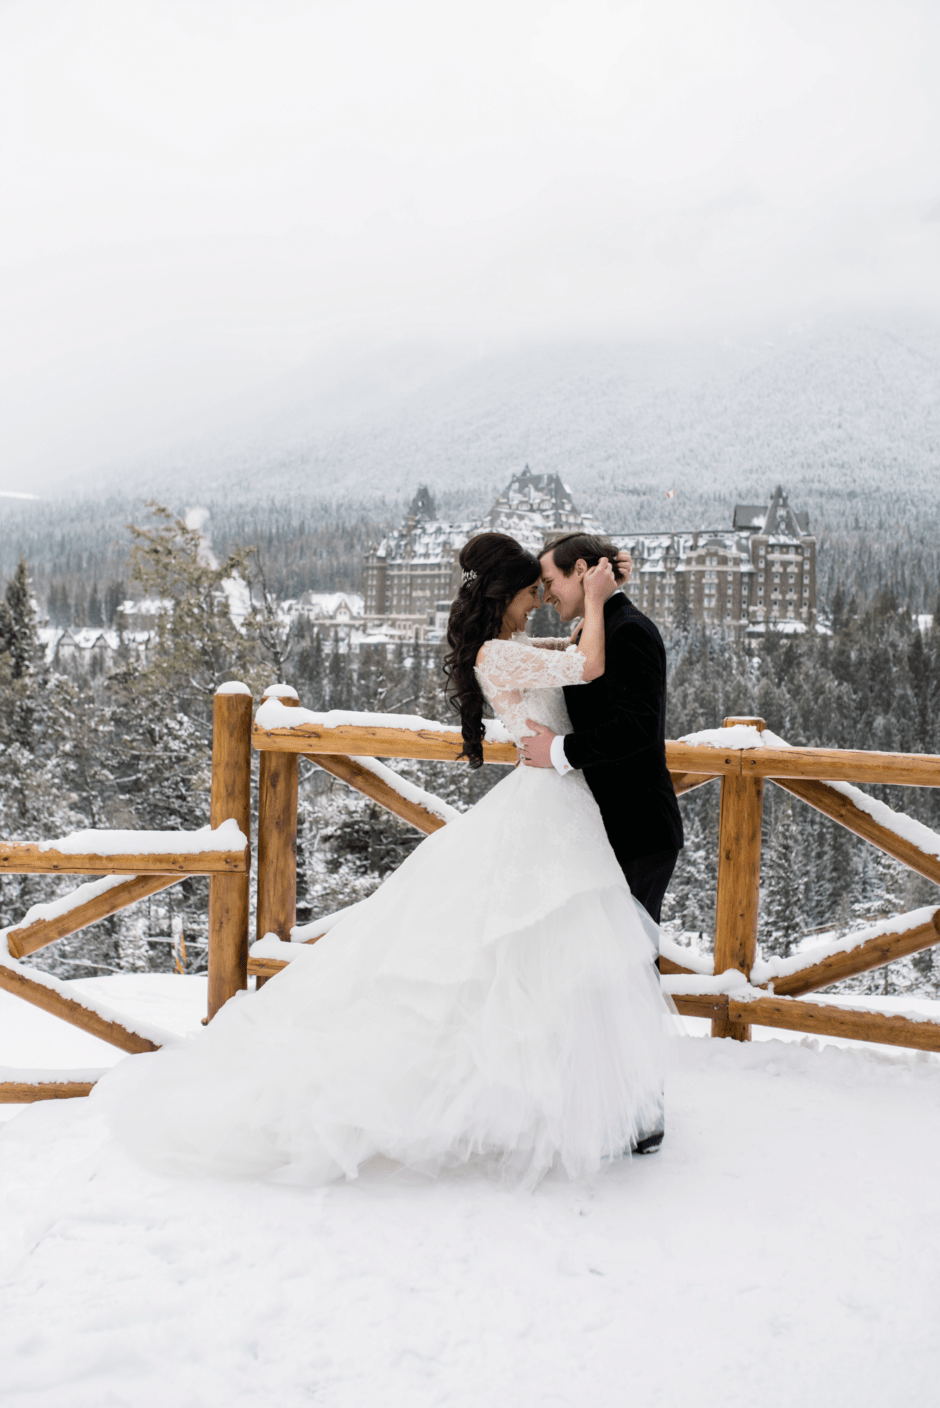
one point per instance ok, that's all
(495, 568)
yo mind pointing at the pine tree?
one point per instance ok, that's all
(338, 682)
(682, 619)
(18, 623)
(115, 593)
(692, 899)
(783, 887)
(95, 610)
(197, 644)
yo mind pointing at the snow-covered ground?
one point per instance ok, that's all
(782, 1249)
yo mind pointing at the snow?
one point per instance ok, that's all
(273, 714)
(280, 691)
(226, 837)
(33, 1041)
(302, 932)
(233, 687)
(817, 948)
(693, 984)
(270, 946)
(737, 736)
(902, 825)
(735, 984)
(688, 957)
(723, 1272)
(914, 1009)
(238, 595)
(915, 832)
(409, 790)
(55, 909)
(90, 995)
(47, 1075)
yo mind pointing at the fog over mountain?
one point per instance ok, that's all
(844, 412)
(840, 410)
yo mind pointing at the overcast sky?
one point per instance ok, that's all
(197, 196)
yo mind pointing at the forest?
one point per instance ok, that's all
(131, 749)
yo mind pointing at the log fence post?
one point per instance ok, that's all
(277, 834)
(736, 907)
(230, 797)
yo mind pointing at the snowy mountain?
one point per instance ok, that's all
(841, 411)
(844, 414)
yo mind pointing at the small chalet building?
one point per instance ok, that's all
(336, 615)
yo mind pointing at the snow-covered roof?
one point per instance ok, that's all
(652, 549)
(329, 605)
(145, 606)
(783, 627)
(777, 519)
(531, 508)
(425, 541)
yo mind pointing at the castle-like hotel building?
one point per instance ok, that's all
(760, 572)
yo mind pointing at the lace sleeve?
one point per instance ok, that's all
(506, 664)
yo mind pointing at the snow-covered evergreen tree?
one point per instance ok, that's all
(783, 887)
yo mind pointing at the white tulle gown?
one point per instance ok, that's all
(494, 1000)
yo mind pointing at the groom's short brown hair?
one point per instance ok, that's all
(569, 548)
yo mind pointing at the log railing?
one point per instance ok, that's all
(743, 990)
(740, 996)
(135, 865)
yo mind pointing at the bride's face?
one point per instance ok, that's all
(519, 609)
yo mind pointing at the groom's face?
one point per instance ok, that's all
(566, 594)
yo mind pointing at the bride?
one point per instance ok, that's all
(493, 1001)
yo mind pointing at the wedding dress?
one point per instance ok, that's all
(493, 1000)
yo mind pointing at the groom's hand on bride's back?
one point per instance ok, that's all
(537, 750)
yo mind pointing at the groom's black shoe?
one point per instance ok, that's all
(650, 1143)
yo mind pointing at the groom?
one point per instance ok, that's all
(618, 724)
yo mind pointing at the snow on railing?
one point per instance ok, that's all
(685, 957)
(50, 1075)
(410, 791)
(35, 985)
(227, 837)
(58, 908)
(768, 970)
(734, 984)
(273, 714)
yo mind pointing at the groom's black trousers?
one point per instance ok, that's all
(648, 877)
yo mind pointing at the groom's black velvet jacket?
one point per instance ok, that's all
(619, 736)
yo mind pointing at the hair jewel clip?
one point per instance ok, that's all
(470, 576)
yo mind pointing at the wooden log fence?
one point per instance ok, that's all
(849, 962)
(814, 775)
(844, 809)
(29, 938)
(138, 871)
(51, 999)
(23, 1092)
(820, 1019)
(229, 799)
(808, 773)
(738, 893)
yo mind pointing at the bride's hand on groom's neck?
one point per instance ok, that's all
(599, 584)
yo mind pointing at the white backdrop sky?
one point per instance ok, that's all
(201, 194)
